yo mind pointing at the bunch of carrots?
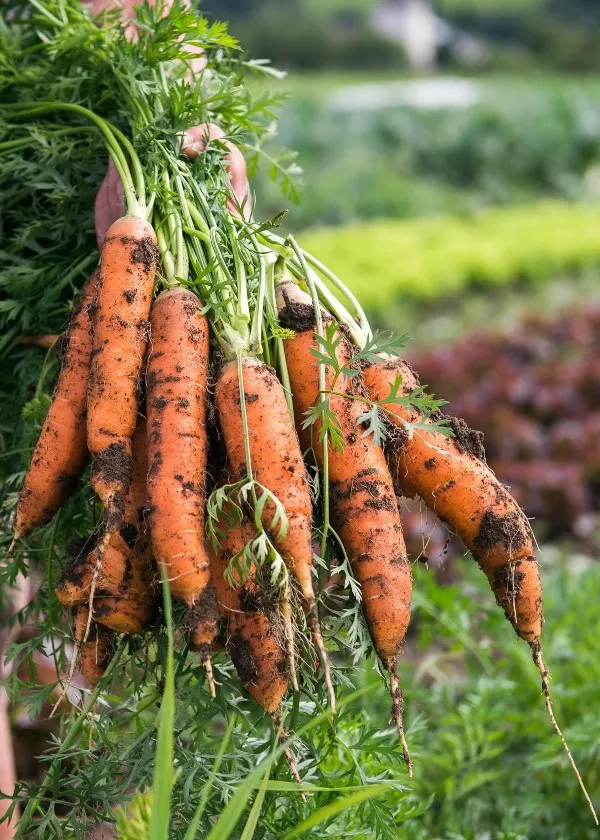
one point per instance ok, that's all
(246, 430)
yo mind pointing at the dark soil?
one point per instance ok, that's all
(145, 252)
(466, 439)
(299, 317)
(494, 530)
(114, 465)
(241, 656)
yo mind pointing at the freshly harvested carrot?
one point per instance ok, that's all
(96, 651)
(364, 509)
(128, 265)
(277, 464)
(125, 589)
(253, 628)
(452, 478)
(253, 625)
(177, 440)
(61, 451)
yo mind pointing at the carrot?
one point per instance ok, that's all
(277, 464)
(364, 509)
(177, 440)
(128, 264)
(96, 651)
(61, 451)
(452, 478)
(124, 593)
(250, 615)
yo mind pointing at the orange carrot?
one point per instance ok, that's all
(452, 478)
(128, 265)
(250, 615)
(125, 576)
(177, 442)
(253, 627)
(61, 452)
(96, 651)
(363, 502)
(277, 464)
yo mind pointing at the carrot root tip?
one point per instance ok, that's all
(210, 677)
(536, 650)
(286, 611)
(283, 737)
(398, 712)
(320, 645)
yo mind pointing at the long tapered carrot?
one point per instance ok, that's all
(128, 264)
(277, 464)
(177, 440)
(125, 590)
(61, 451)
(253, 629)
(363, 502)
(452, 478)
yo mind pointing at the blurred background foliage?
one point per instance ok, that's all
(451, 157)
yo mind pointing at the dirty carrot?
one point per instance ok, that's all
(125, 589)
(61, 451)
(451, 476)
(177, 440)
(277, 464)
(253, 628)
(124, 293)
(363, 502)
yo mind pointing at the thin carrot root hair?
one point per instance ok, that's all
(315, 627)
(101, 548)
(398, 711)
(286, 612)
(536, 649)
(210, 677)
(66, 685)
(283, 736)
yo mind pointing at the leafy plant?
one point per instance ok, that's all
(424, 259)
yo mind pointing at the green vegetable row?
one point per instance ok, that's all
(423, 259)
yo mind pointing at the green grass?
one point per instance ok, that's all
(431, 258)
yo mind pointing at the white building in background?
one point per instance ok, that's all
(414, 25)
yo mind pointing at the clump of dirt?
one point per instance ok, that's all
(494, 530)
(241, 656)
(129, 533)
(507, 585)
(113, 465)
(467, 440)
(145, 252)
(299, 317)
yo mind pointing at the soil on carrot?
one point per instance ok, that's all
(494, 530)
(241, 656)
(78, 550)
(205, 610)
(299, 317)
(467, 440)
(145, 251)
(114, 465)
(507, 585)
